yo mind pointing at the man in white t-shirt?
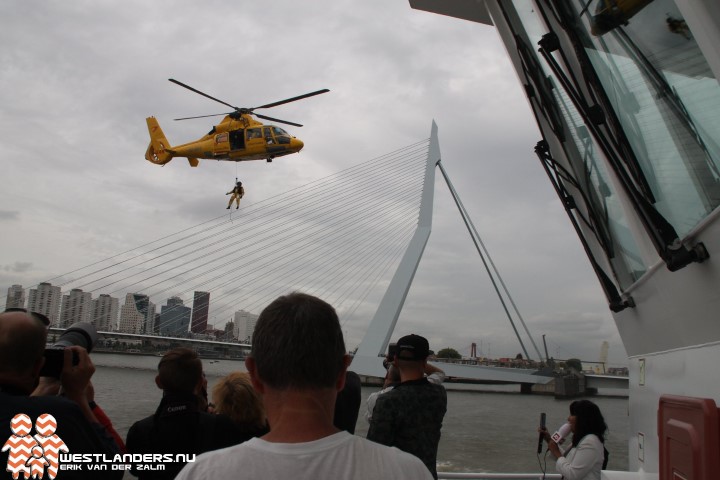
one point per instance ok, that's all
(298, 363)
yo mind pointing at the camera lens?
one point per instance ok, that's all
(81, 334)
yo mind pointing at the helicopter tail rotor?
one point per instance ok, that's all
(158, 151)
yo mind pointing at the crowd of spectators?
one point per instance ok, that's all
(291, 415)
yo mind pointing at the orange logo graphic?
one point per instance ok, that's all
(30, 455)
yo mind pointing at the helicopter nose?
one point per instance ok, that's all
(296, 144)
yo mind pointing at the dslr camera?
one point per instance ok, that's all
(391, 354)
(81, 334)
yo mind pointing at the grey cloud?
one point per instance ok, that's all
(18, 267)
(6, 215)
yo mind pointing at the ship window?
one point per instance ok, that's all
(602, 212)
(665, 97)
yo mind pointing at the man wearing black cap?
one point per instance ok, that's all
(410, 416)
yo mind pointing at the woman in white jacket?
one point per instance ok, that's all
(586, 455)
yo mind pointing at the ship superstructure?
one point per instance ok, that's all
(627, 100)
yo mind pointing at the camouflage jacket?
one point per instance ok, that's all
(410, 417)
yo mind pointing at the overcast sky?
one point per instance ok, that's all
(77, 80)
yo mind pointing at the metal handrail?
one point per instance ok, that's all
(605, 475)
(498, 476)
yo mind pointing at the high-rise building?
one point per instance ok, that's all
(147, 309)
(244, 325)
(229, 331)
(201, 307)
(131, 319)
(174, 318)
(15, 297)
(46, 299)
(150, 318)
(76, 307)
(105, 313)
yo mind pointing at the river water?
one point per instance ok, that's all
(483, 431)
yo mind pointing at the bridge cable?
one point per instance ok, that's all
(480, 246)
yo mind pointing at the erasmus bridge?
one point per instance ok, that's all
(354, 238)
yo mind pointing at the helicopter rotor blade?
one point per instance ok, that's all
(201, 93)
(202, 116)
(247, 110)
(288, 100)
(265, 117)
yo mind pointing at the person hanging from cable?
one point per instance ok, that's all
(237, 193)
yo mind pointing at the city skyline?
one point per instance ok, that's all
(241, 323)
(65, 309)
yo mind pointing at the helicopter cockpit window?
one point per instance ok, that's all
(268, 135)
(253, 133)
(281, 135)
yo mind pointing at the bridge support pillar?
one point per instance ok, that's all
(526, 388)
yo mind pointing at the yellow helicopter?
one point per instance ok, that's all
(239, 137)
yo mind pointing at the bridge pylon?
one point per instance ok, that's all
(377, 336)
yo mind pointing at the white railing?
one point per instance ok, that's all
(498, 476)
(606, 475)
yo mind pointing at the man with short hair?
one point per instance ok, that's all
(410, 415)
(298, 363)
(180, 424)
(22, 344)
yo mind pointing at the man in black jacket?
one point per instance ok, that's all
(22, 343)
(180, 425)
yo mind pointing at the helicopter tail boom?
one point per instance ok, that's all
(158, 151)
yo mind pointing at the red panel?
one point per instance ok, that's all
(689, 438)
